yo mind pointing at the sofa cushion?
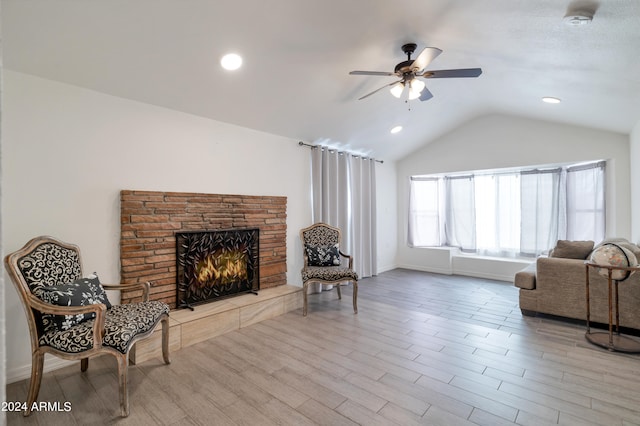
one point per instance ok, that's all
(572, 249)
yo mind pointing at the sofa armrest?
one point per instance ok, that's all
(526, 279)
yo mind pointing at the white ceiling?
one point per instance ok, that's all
(298, 53)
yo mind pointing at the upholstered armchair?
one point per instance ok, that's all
(324, 263)
(69, 315)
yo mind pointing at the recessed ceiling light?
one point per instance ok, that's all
(551, 100)
(231, 61)
(396, 129)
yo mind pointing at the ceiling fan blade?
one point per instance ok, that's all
(465, 72)
(371, 73)
(377, 90)
(425, 57)
(425, 95)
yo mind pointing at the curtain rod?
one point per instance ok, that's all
(341, 152)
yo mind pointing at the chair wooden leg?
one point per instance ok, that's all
(304, 299)
(84, 364)
(123, 372)
(165, 340)
(355, 297)
(339, 291)
(37, 363)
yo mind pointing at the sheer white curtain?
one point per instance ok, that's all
(426, 227)
(343, 195)
(585, 205)
(460, 210)
(498, 214)
(543, 219)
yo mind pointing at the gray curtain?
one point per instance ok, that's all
(363, 216)
(344, 196)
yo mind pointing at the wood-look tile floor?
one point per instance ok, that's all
(423, 349)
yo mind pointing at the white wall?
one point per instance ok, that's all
(496, 141)
(2, 291)
(634, 139)
(387, 215)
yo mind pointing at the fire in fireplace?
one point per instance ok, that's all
(216, 264)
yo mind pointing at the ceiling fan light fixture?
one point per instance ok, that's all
(417, 85)
(397, 89)
(413, 95)
(415, 88)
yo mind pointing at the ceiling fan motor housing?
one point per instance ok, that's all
(404, 67)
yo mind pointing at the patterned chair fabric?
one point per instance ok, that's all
(321, 243)
(50, 264)
(45, 263)
(122, 323)
(329, 273)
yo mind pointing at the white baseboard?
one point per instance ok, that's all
(423, 268)
(386, 268)
(50, 364)
(466, 273)
(488, 276)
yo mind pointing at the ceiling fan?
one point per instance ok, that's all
(410, 72)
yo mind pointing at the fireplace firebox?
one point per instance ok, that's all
(216, 264)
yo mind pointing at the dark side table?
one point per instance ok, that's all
(612, 341)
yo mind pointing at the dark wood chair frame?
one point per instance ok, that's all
(32, 305)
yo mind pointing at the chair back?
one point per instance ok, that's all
(42, 262)
(320, 235)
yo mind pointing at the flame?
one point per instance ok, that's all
(222, 268)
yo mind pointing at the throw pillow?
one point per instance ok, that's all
(81, 292)
(324, 256)
(572, 249)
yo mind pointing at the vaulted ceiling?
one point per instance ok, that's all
(297, 54)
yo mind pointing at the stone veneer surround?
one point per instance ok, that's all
(150, 219)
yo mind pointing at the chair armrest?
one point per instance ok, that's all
(348, 257)
(143, 286)
(99, 309)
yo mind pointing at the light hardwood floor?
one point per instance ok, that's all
(423, 349)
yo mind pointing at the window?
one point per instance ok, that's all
(508, 212)
(424, 217)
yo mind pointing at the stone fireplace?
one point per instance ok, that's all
(153, 223)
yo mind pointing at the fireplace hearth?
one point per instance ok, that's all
(216, 264)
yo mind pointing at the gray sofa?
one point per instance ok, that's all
(556, 286)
